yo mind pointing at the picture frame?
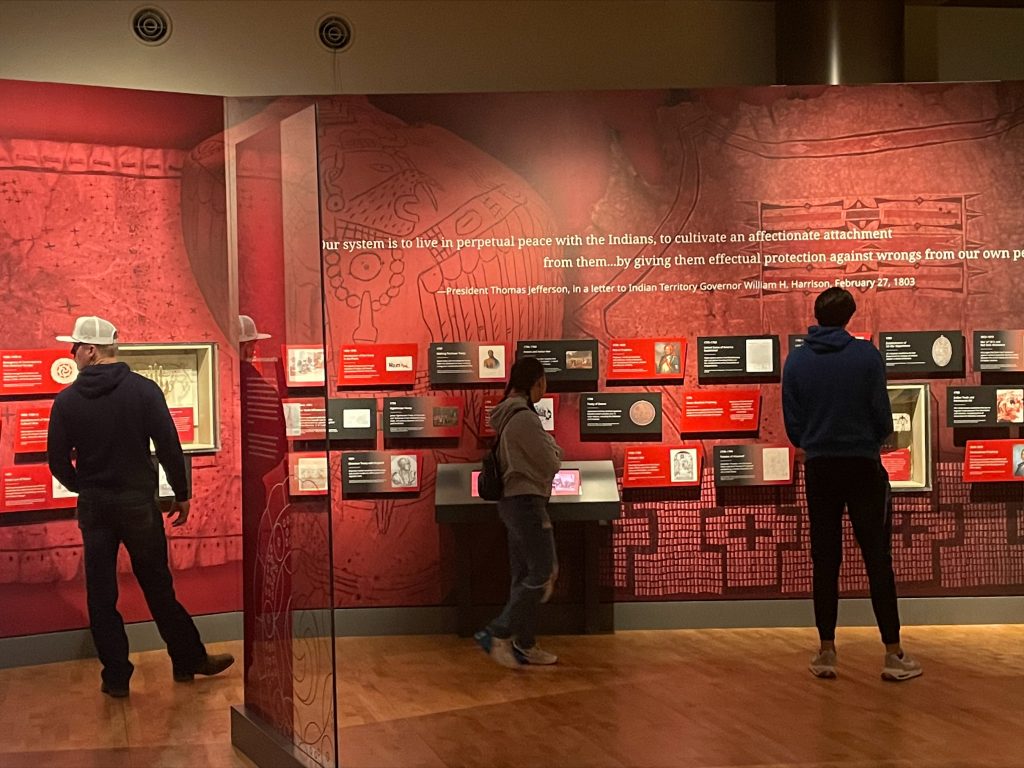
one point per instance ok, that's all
(187, 375)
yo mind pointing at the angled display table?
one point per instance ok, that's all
(583, 492)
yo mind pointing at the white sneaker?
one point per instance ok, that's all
(535, 655)
(502, 653)
(824, 664)
(900, 667)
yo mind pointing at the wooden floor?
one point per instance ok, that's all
(674, 699)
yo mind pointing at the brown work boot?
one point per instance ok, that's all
(213, 665)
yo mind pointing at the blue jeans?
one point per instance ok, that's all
(107, 521)
(531, 557)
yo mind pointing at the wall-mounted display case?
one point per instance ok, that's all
(907, 454)
(187, 375)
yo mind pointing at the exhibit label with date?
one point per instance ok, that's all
(662, 466)
(29, 487)
(468, 362)
(913, 353)
(737, 357)
(715, 411)
(985, 406)
(742, 465)
(999, 351)
(646, 359)
(422, 417)
(546, 409)
(30, 428)
(994, 461)
(377, 365)
(795, 341)
(35, 371)
(305, 418)
(614, 413)
(371, 472)
(352, 418)
(563, 359)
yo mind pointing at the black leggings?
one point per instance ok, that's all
(861, 486)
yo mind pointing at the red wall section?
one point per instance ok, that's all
(93, 228)
(932, 163)
(114, 205)
(107, 116)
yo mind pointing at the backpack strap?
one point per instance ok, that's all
(517, 410)
(497, 439)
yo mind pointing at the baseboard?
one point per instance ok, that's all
(77, 644)
(443, 620)
(735, 614)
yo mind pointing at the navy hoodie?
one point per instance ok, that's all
(107, 417)
(834, 399)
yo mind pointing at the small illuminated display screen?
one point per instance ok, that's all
(566, 483)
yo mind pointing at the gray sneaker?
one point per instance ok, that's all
(535, 655)
(501, 651)
(898, 668)
(824, 665)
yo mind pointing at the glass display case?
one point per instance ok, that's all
(187, 375)
(907, 453)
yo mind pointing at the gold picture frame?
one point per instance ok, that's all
(187, 375)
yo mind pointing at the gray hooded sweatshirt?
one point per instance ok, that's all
(529, 456)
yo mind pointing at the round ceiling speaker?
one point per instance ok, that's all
(334, 33)
(151, 25)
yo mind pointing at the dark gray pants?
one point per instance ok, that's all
(107, 521)
(531, 557)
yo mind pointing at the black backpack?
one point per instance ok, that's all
(489, 484)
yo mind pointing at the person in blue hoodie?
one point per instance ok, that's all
(98, 447)
(836, 409)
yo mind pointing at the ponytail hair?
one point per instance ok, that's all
(526, 372)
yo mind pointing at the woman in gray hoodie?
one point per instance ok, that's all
(529, 459)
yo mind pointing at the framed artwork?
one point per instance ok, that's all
(187, 375)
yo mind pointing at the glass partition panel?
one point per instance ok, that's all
(288, 591)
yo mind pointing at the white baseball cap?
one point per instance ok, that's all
(247, 329)
(92, 330)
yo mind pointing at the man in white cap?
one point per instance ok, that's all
(248, 336)
(264, 448)
(264, 435)
(105, 420)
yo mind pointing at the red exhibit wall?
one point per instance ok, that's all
(111, 203)
(938, 165)
(122, 214)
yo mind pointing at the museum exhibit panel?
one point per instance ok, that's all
(115, 217)
(397, 253)
(289, 677)
(907, 453)
(451, 244)
(187, 375)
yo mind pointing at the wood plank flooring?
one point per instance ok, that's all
(707, 698)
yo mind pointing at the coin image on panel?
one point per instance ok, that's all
(64, 370)
(642, 412)
(942, 351)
